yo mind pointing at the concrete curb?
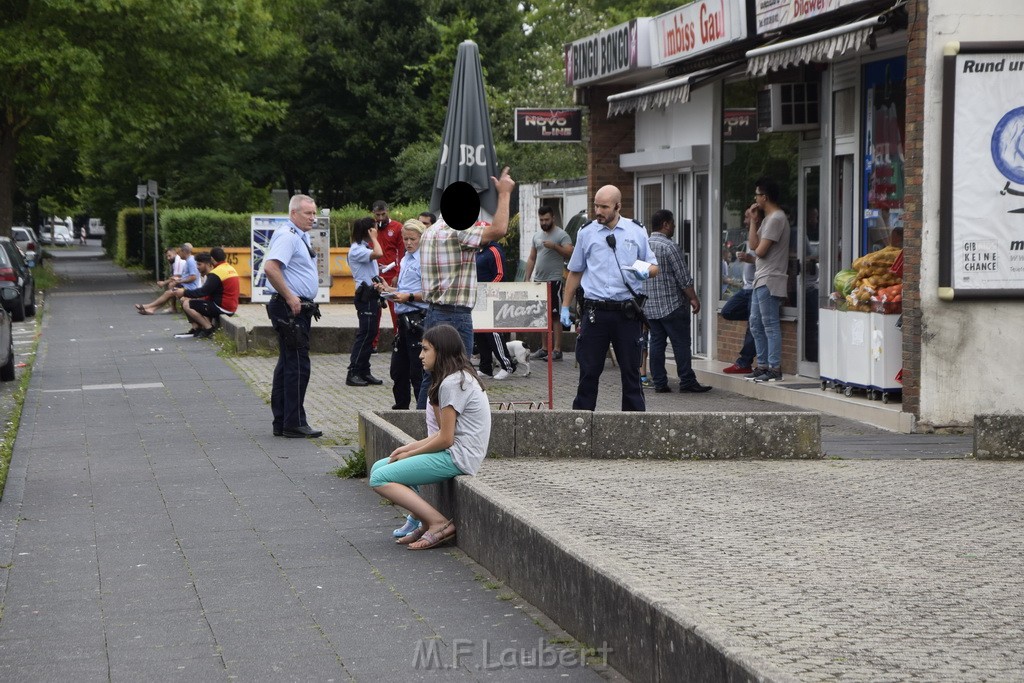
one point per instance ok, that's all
(599, 435)
(999, 437)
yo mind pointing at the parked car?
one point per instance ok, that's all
(14, 270)
(6, 338)
(27, 241)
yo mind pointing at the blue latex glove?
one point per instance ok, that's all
(644, 275)
(564, 317)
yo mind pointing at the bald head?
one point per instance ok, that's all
(607, 204)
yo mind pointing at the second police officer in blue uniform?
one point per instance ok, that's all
(610, 311)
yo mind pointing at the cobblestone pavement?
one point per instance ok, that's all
(828, 570)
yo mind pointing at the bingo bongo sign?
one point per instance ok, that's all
(549, 125)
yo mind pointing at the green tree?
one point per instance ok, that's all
(129, 86)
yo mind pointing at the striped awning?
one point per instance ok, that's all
(818, 47)
(661, 95)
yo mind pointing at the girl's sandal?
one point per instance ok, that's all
(432, 539)
(413, 537)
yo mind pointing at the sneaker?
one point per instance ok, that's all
(481, 373)
(755, 374)
(539, 354)
(770, 376)
(204, 334)
(185, 335)
(645, 381)
(501, 374)
(410, 526)
(557, 355)
(737, 369)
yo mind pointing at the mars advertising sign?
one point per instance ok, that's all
(775, 14)
(613, 51)
(549, 125)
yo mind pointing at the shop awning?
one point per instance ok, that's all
(660, 95)
(818, 47)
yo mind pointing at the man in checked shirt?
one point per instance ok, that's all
(668, 314)
(448, 270)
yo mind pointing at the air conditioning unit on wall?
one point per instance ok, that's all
(788, 106)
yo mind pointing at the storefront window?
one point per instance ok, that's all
(745, 160)
(884, 132)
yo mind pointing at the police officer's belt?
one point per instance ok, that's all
(599, 305)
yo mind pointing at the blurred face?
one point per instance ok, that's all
(428, 355)
(303, 216)
(171, 254)
(760, 197)
(426, 220)
(411, 238)
(203, 267)
(382, 217)
(669, 229)
(547, 221)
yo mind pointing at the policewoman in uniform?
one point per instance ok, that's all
(290, 266)
(606, 249)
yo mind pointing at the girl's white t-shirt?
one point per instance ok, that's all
(473, 424)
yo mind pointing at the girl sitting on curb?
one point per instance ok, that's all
(458, 447)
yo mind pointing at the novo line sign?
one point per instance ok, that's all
(549, 125)
(696, 28)
(614, 51)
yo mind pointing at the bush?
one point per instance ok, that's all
(205, 227)
(343, 218)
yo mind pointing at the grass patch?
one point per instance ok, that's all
(10, 429)
(44, 276)
(353, 466)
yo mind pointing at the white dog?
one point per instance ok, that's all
(521, 353)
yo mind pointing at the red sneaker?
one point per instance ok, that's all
(737, 370)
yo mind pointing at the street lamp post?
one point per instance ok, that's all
(151, 190)
(140, 194)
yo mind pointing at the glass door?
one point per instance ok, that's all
(694, 247)
(808, 269)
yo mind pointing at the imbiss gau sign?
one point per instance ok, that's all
(549, 125)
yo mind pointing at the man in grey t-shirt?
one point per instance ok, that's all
(551, 248)
(770, 244)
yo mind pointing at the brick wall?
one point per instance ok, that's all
(608, 139)
(917, 33)
(730, 341)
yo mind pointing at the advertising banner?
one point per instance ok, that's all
(772, 15)
(511, 307)
(263, 228)
(982, 198)
(695, 28)
(614, 51)
(549, 125)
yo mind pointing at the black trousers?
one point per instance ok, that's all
(368, 313)
(491, 345)
(625, 335)
(291, 374)
(406, 367)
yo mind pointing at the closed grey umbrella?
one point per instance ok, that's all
(467, 146)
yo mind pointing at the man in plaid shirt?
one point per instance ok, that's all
(668, 315)
(448, 270)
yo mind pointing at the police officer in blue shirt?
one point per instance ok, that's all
(606, 250)
(290, 267)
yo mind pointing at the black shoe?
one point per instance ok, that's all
(663, 390)
(356, 381)
(278, 431)
(185, 335)
(695, 388)
(301, 432)
(204, 334)
(370, 379)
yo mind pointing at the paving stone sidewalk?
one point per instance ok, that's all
(152, 528)
(826, 571)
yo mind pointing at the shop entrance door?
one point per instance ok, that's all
(692, 220)
(808, 271)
